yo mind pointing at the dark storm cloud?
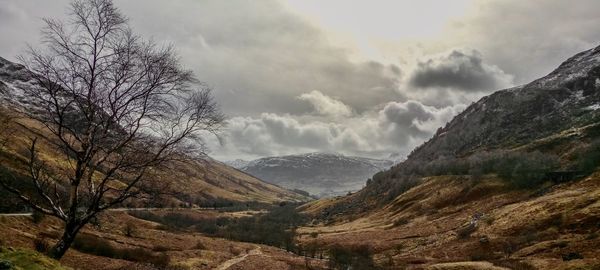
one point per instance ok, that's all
(460, 70)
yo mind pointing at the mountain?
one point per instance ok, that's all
(511, 183)
(556, 114)
(238, 163)
(320, 174)
(566, 98)
(201, 182)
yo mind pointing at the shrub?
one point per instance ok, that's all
(489, 220)
(514, 264)
(235, 251)
(275, 228)
(400, 222)
(160, 248)
(561, 244)
(93, 245)
(481, 255)
(571, 256)
(37, 217)
(6, 265)
(358, 257)
(466, 231)
(399, 247)
(130, 229)
(41, 244)
(97, 246)
(200, 245)
(591, 236)
(144, 256)
(588, 158)
(526, 170)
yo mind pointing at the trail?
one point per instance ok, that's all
(16, 215)
(225, 265)
(120, 210)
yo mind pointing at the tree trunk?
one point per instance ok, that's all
(58, 250)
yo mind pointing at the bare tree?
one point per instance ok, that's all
(116, 106)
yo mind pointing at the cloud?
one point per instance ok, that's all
(408, 121)
(259, 56)
(325, 105)
(527, 38)
(262, 58)
(395, 127)
(459, 70)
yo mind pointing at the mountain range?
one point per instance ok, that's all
(320, 174)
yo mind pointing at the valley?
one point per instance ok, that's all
(375, 150)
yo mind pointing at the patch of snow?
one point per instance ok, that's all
(579, 95)
(593, 107)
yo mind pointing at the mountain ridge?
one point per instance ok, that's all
(200, 182)
(321, 174)
(555, 114)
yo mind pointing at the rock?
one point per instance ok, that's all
(484, 240)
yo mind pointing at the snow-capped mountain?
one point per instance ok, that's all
(238, 163)
(555, 114)
(567, 98)
(14, 80)
(320, 174)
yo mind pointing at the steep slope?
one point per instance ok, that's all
(204, 182)
(512, 181)
(556, 114)
(449, 219)
(319, 174)
(568, 97)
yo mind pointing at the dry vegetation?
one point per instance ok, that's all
(204, 183)
(453, 219)
(120, 241)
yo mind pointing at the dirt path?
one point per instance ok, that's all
(15, 214)
(225, 265)
(122, 210)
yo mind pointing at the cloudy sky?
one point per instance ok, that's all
(372, 78)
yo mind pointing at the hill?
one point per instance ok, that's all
(511, 183)
(320, 174)
(550, 124)
(201, 182)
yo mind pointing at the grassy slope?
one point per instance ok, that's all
(421, 225)
(183, 248)
(206, 179)
(25, 259)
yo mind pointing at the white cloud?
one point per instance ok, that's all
(325, 105)
(263, 56)
(395, 127)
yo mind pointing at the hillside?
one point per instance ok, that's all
(320, 174)
(452, 219)
(558, 114)
(119, 240)
(567, 98)
(510, 183)
(202, 182)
